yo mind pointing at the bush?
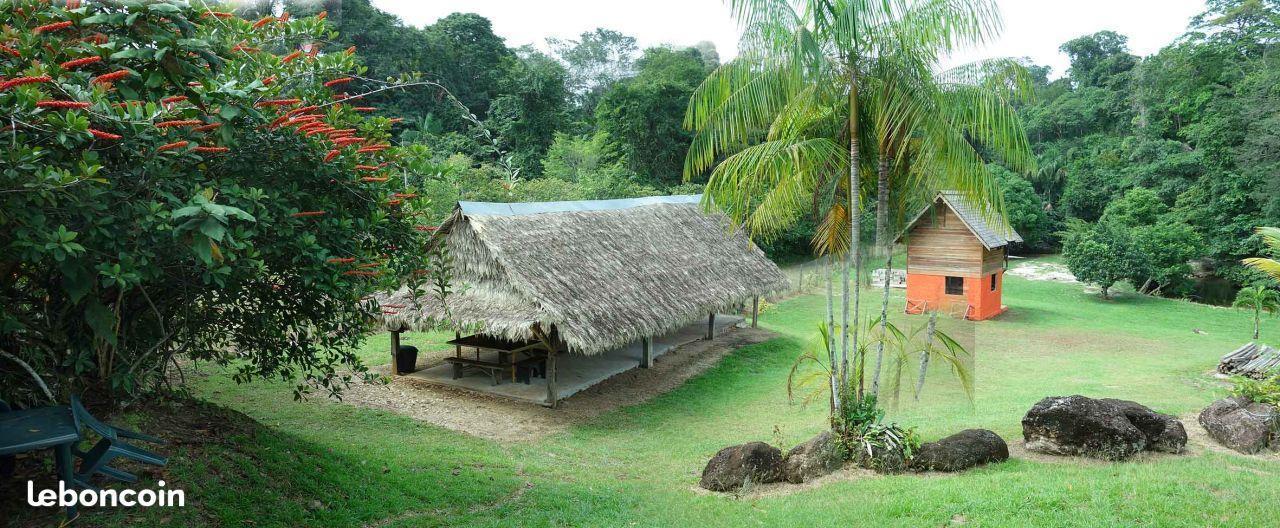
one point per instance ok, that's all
(1262, 391)
(164, 193)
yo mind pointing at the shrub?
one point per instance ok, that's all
(1262, 391)
(176, 182)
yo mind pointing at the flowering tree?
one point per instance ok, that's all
(181, 183)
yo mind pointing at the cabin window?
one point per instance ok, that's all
(955, 285)
(993, 282)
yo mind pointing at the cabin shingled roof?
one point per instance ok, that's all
(990, 235)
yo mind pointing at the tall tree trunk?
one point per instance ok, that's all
(830, 267)
(853, 256)
(882, 246)
(1257, 322)
(924, 355)
(882, 203)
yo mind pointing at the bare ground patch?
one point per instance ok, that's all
(505, 420)
(1043, 271)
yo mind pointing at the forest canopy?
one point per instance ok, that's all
(1194, 127)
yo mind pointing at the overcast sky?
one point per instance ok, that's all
(1033, 28)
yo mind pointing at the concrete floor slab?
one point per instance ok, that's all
(574, 372)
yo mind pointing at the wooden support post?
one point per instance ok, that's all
(755, 311)
(457, 349)
(553, 397)
(711, 326)
(395, 353)
(646, 352)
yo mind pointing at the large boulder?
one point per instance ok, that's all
(819, 456)
(734, 466)
(960, 451)
(1106, 429)
(1164, 433)
(1242, 425)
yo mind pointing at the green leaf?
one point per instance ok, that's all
(229, 112)
(76, 281)
(203, 249)
(102, 320)
(212, 228)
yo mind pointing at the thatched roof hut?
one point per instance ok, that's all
(602, 274)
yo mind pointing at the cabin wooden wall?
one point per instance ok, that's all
(940, 244)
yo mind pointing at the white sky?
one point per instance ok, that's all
(1033, 28)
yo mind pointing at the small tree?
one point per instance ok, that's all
(1098, 254)
(1259, 299)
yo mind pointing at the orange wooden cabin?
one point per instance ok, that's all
(956, 259)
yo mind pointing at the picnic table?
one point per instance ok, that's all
(42, 428)
(506, 350)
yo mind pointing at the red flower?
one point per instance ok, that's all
(24, 80)
(73, 64)
(73, 4)
(277, 102)
(350, 51)
(335, 82)
(342, 142)
(315, 131)
(301, 110)
(53, 27)
(217, 14)
(305, 214)
(174, 145)
(405, 195)
(394, 202)
(322, 15)
(211, 150)
(10, 51)
(246, 49)
(112, 77)
(174, 99)
(103, 135)
(63, 104)
(332, 154)
(364, 109)
(373, 179)
(208, 127)
(366, 167)
(263, 21)
(289, 58)
(179, 123)
(337, 260)
(267, 81)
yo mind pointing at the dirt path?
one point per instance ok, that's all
(505, 420)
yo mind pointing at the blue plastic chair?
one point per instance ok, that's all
(111, 446)
(7, 462)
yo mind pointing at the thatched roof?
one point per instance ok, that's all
(982, 223)
(604, 273)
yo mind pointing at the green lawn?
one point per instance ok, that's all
(639, 466)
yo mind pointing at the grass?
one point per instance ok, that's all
(639, 466)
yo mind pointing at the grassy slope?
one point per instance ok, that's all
(639, 466)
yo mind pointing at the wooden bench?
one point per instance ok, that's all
(495, 370)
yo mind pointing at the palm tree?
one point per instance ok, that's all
(787, 118)
(1271, 238)
(1258, 299)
